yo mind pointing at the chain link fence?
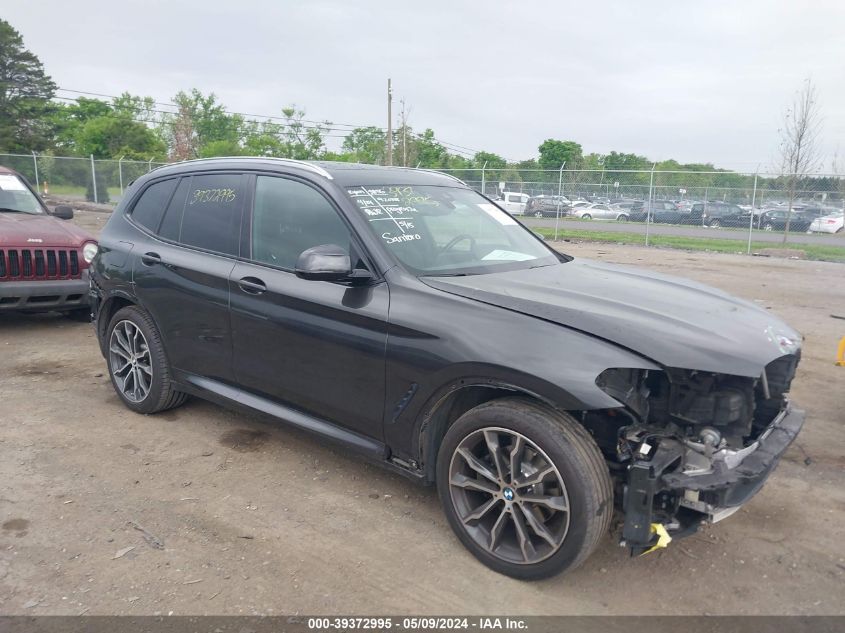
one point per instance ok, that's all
(672, 203)
(78, 178)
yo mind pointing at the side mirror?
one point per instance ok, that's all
(327, 262)
(63, 212)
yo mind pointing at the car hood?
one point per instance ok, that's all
(24, 230)
(672, 321)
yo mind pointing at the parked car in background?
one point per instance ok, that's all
(600, 211)
(514, 203)
(547, 206)
(716, 214)
(43, 260)
(663, 211)
(832, 223)
(775, 220)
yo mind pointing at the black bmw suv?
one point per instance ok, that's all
(405, 316)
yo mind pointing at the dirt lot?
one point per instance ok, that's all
(255, 518)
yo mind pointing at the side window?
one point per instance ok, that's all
(211, 218)
(289, 217)
(150, 206)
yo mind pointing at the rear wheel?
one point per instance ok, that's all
(138, 366)
(538, 214)
(715, 224)
(768, 226)
(524, 487)
(586, 216)
(622, 218)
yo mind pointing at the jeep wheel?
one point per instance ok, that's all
(524, 487)
(138, 367)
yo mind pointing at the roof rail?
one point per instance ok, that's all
(434, 171)
(290, 161)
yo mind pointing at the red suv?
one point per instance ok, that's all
(43, 261)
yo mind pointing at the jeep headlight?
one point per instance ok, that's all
(89, 252)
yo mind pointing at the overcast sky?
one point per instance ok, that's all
(694, 81)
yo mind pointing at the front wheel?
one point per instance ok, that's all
(768, 227)
(586, 216)
(715, 224)
(524, 487)
(138, 367)
(622, 218)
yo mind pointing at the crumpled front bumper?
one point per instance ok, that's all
(713, 495)
(731, 487)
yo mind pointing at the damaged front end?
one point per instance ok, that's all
(689, 446)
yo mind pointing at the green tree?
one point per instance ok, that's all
(199, 121)
(366, 145)
(301, 140)
(554, 153)
(113, 136)
(25, 94)
(429, 153)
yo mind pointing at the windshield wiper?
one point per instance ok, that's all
(10, 210)
(447, 275)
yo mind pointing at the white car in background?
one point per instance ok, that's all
(832, 223)
(514, 203)
(600, 211)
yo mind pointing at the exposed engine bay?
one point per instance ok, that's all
(691, 446)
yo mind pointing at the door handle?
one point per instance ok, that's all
(149, 259)
(252, 285)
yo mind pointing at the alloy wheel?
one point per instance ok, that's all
(129, 361)
(509, 496)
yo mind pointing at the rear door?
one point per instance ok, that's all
(181, 273)
(316, 346)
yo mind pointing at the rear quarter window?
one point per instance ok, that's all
(149, 208)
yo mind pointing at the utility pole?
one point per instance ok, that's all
(404, 118)
(388, 150)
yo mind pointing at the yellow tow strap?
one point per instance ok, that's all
(663, 538)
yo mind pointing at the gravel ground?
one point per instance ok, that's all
(204, 511)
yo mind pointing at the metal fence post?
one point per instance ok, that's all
(120, 172)
(650, 204)
(751, 220)
(483, 182)
(94, 178)
(559, 194)
(35, 163)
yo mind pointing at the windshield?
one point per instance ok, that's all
(448, 230)
(15, 196)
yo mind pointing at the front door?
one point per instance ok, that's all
(316, 346)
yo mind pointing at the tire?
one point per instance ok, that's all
(715, 224)
(768, 226)
(586, 216)
(83, 315)
(622, 218)
(161, 393)
(538, 214)
(577, 479)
